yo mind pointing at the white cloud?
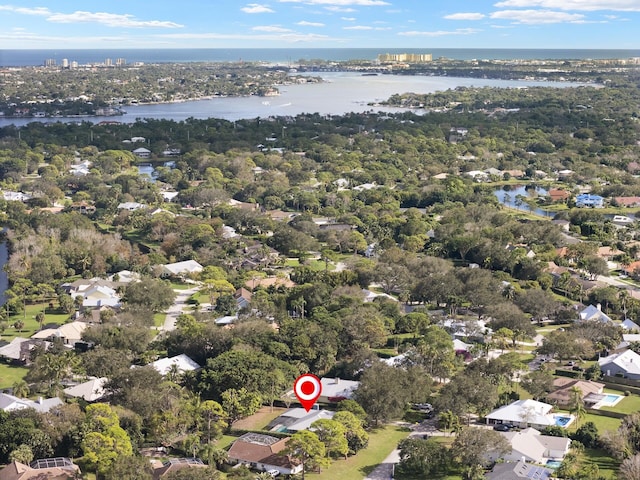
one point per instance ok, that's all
(109, 19)
(340, 9)
(580, 5)
(256, 8)
(43, 11)
(271, 29)
(365, 27)
(359, 3)
(532, 17)
(348, 19)
(440, 33)
(465, 16)
(304, 23)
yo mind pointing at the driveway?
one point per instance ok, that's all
(384, 471)
(178, 307)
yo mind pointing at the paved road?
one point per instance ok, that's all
(178, 307)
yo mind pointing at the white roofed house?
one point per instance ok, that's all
(131, 206)
(528, 413)
(594, 314)
(91, 391)
(98, 296)
(624, 364)
(69, 333)
(529, 445)
(296, 419)
(183, 363)
(178, 269)
(9, 403)
(335, 390)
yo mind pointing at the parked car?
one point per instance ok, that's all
(274, 473)
(500, 427)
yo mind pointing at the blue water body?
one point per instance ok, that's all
(338, 94)
(511, 195)
(290, 56)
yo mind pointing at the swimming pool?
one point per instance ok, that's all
(610, 399)
(562, 421)
(553, 464)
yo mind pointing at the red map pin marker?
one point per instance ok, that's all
(307, 388)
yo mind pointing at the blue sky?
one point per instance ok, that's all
(420, 24)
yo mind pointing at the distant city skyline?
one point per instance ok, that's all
(73, 24)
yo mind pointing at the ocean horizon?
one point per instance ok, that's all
(291, 56)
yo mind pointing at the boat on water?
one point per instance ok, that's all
(370, 74)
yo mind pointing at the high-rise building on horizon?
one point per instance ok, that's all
(405, 57)
(50, 62)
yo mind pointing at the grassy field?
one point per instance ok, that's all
(31, 326)
(381, 443)
(630, 404)
(10, 375)
(603, 423)
(608, 467)
(158, 319)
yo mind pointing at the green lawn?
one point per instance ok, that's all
(10, 375)
(158, 319)
(181, 286)
(630, 404)
(29, 319)
(608, 467)
(601, 422)
(381, 443)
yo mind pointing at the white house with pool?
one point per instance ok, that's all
(529, 413)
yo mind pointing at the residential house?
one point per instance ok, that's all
(514, 173)
(563, 394)
(621, 221)
(83, 207)
(594, 314)
(125, 276)
(98, 296)
(531, 446)
(335, 390)
(9, 403)
(267, 282)
(142, 152)
(627, 201)
(608, 253)
(630, 326)
(516, 471)
(589, 200)
(163, 469)
(296, 419)
(69, 333)
(226, 320)
(18, 350)
(80, 169)
(558, 195)
(243, 298)
(91, 391)
(131, 206)
(632, 269)
(43, 469)
(627, 339)
(624, 364)
(262, 452)
(528, 413)
(178, 269)
(182, 362)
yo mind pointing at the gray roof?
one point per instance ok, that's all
(516, 471)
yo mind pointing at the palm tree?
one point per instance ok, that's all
(577, 404)
(40, 317)
(213, 455)
(21, 389)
